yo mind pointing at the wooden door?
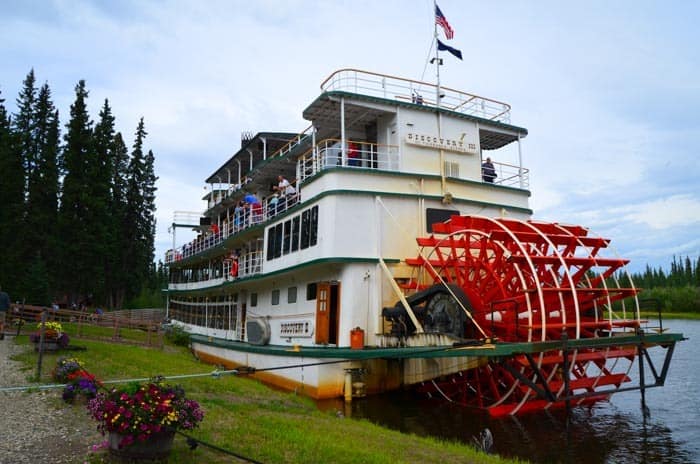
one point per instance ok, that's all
(322, 312)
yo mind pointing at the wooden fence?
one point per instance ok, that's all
(144, 321)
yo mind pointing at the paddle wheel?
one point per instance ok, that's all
(507, 281)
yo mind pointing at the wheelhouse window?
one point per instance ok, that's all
(297, 233)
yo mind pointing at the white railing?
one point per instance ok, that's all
(244, 217)
(511, 176)
(328, 154)
(228, 190)
(250, 263)
(418, 92)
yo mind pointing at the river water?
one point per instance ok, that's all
(613, 431)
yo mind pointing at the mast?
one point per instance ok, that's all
(437, 57)
(438, 62)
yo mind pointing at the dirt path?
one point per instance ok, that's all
(38, 427)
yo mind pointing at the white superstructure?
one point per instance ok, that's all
(270, 277)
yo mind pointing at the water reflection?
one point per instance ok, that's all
(607, 432)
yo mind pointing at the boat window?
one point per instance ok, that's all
(271, 243)
(253, 300)
(311, 291)
(313, 226)
(278, 241)
(305, 219)
(275, 297)
(292, 295)
(295, 232)
(287, 240)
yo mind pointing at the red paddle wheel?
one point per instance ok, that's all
(530, 282)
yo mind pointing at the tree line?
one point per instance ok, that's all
(677, 290)
(684, 272)
(77, 220)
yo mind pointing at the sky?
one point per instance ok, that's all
(609, 91)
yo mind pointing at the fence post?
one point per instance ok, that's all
(41, 346)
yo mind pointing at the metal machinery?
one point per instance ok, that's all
(563, 319)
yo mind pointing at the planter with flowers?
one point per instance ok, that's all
(54, 336)
(79, 382)
(141, 419)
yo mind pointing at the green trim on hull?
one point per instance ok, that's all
(495, 350)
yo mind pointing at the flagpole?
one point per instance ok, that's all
(443, 180)
(437, 55)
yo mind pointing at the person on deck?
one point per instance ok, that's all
(488, 172)
(284, 187)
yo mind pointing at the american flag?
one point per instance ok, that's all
(441, 21)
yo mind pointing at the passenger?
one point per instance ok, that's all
(284, 187)
(272, 203)
(256, 211)
(238, 214)
(488, 172)
(354, 154)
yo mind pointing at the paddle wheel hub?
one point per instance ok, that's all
(530, 282)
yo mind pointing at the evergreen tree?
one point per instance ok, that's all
(78, 260)
(42, 195)
(11, 205)
(149, 208)
(101, 222)
(135, 228)
(118, 243)
(24, 125)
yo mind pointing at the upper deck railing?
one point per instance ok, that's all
(418, 92)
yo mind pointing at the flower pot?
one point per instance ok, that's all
(158, 446)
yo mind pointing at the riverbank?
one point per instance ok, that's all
(653, 315)
(242, 416)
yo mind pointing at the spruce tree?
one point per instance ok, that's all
(42, 195)
(118, 243)
(135, 229)
(78, 267)
(24, 125)
(101, 221)
(149, 207)
(11, 205)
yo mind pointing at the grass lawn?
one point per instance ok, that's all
(252, 420)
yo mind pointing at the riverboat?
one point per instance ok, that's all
(390, 245)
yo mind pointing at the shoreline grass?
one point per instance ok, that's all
(653, 315)
(252, 420)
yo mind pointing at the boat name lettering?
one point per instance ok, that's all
(432, 141)
(295, 328)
